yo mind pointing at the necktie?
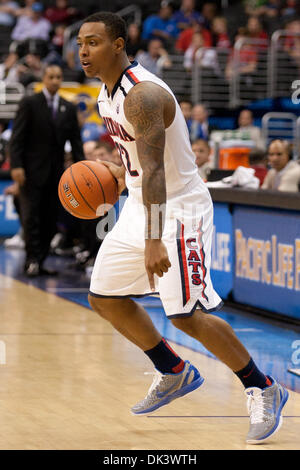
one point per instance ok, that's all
(51, 107)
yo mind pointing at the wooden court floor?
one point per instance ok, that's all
(69, 382)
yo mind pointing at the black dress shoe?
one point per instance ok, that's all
(32, 269)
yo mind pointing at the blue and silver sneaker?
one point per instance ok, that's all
(264, 407)
(166, 387)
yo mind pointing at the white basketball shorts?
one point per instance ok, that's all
(119, 269)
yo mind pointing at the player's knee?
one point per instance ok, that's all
(185, 324)
(98, 305)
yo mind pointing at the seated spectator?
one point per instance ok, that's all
(73, 62)
(255, 7)
(271, 8)
(58, 38)
(242, 61)
(248, 131)
(202, 56)
(199, 126)
(104, 152)
(186, 16)
(31, 46)
(255, 30)
(285, 172)
(9, 72)
(289, 8)
(258, 161)
(61, 13)
(90, 130)
(155, 58)
(292, 27)
(31, 69)
(88, 148)
(292, 42)
(134, 42)
(8, 11)
(202, 151)
(209, 12)
(161, 26)
(186, 108)
(219, 33)
(33, 26)
(185, 38)
(26, 9)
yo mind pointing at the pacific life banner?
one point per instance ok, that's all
(9, 219)
(222, 268)
(267, 259)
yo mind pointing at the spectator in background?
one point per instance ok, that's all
(289, 8)
(61, 13)
(8, 10)
(271, 8)
(43, 124)
(186, 108)
(197, 54)
(202, 151)
(199, 126)
(161, 26)
(26, 9)
(104, 152)
(58, 38)
(219, 33)
(134, 42)
(258, 161)
(33, 26)
(187, 16)
(292, 42)
(30, 69)
(255, 30)
(73, 62)
(243, 61)
(209, 12)
(285, 172)
(248, 130)
(185, 38)
(255, 7)
(9, 69)
(88, 149)
(155, 58)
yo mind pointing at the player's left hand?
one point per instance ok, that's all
(156, 260)
(117, 171)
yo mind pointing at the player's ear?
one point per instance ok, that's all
(119, 45)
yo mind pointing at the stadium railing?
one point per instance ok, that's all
(281, 126)
(10, 95)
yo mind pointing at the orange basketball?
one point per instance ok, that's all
(87, 189)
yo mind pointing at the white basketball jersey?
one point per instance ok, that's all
(179, 160)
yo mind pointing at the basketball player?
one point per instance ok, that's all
(162, 240)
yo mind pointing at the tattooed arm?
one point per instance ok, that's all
(150, 109)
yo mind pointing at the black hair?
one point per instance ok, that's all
(114, 24)
(50, 66)
(186, 99)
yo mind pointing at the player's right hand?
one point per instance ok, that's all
(118, 172)
(18, 175)
(156, 260)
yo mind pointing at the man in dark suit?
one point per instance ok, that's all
(43, 124)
